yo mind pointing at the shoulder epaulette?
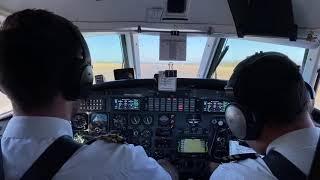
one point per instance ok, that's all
(240, 157)
(109, 138)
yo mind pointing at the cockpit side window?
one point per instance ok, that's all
(106, 53)
(239, 49)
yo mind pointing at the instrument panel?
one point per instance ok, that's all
(187, 126)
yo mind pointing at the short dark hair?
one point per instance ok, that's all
(36, 46)
(271, 87)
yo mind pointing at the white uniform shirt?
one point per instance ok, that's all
(298, 147)
(26, 138)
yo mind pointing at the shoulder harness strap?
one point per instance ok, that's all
(55, 156)
(52, 159)
(282, 168)
(315, 168)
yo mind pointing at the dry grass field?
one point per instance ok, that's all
(184, 70)
(148, 70)
(106, 69)
(224, 72)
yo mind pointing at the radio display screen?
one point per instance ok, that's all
(192, 146)
(126, 104)
(214, 106)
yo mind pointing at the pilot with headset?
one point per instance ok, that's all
(270, 110)
(44, 67)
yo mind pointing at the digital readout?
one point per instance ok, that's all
(214, 106)
(126, 104)
(192, 146)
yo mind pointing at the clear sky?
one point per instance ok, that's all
(107, 48)
(240, 49)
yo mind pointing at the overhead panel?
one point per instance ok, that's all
(264, 18)
(176, 10)
(306, 14)
(154, 14)
(114, 15)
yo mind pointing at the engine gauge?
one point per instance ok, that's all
(80, 121)
(148, 120)
(119, 121)
(135, 119)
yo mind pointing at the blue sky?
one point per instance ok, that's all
(240, 49)
(107, 48)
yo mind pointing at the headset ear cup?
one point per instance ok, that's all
(78, 75)
(87, 75)
(242, 123)
(236, 120)
(86, 80)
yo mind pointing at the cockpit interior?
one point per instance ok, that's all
(160, 69)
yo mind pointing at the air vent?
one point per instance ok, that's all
(176, 6)
(176, 10)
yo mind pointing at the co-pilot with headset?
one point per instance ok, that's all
(270, 110)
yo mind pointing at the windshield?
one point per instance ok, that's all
(106, 53)
(149, 57)
(239, 49)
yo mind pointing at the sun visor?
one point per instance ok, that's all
(271, 18)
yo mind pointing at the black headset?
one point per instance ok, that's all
(243, 123)
(77, 77)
